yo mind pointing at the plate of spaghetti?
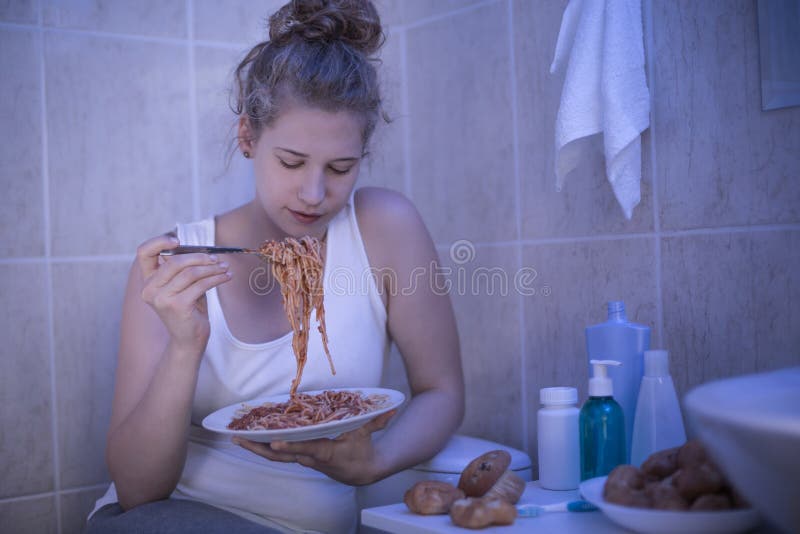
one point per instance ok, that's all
(298, 266)
(303, 416)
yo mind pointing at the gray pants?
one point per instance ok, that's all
(170, 516)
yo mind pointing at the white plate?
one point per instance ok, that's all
(219, 420)
(668, 521)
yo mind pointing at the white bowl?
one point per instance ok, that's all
(650, 521)
(751, 426)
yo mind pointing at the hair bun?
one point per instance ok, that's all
(354, 22)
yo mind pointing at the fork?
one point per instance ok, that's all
(194, 249)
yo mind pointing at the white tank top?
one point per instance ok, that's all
(285, 496)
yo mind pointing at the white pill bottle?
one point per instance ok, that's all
(559, 448)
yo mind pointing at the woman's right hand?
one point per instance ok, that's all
(163, 335)
(175, 287)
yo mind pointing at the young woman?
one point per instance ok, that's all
(201, 332)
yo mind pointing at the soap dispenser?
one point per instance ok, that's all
(658, 424)
(602, 425)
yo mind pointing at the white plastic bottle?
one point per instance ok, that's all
(558, 440)
(658, 424)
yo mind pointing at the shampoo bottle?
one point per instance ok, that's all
(625, 342)
(658, 424)
(602, 425)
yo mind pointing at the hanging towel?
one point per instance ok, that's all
(605, 92)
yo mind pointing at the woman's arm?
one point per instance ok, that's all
(163, 335)
(421, 323)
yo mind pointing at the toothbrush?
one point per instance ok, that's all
(535, 510)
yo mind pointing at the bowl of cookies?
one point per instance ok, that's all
(675, 490)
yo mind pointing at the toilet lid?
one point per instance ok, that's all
(461, 450)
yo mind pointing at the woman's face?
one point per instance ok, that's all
(305, 164)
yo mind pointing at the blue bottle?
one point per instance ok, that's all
(619, 339)
(602, 426)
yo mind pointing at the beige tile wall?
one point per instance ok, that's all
(115, 126)
(20, 95)
(32, 515)
(26, 380)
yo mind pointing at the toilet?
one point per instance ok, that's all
(445, 466)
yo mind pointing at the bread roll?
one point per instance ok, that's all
(489, 475)
(477, 513)
(661, 464)
(625, 486)
(712, 501)
(696, 480)
(692, 453)
(664, 496)
(431, 497)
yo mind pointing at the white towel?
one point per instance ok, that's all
(605, 92)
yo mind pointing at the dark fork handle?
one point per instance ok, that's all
(194, 249)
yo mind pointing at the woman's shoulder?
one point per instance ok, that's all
(384, 207)
(388, 221)
(229, 227)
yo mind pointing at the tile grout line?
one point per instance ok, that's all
(68, 259)
(730, 230)
(518, 216)
(791, 227)
(177, 41)
(447, 14)
(648, 21)
(100, 33)
(48, 268)
(193, 141)
(221, 45)
(405, 107)
(621, 237)
(45, 494)
(80, 489)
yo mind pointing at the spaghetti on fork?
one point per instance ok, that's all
(298, 267)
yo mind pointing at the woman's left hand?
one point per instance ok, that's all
(350, 458)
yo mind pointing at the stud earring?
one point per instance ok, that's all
(246, 154)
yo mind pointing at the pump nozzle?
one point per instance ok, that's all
(600, 384)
